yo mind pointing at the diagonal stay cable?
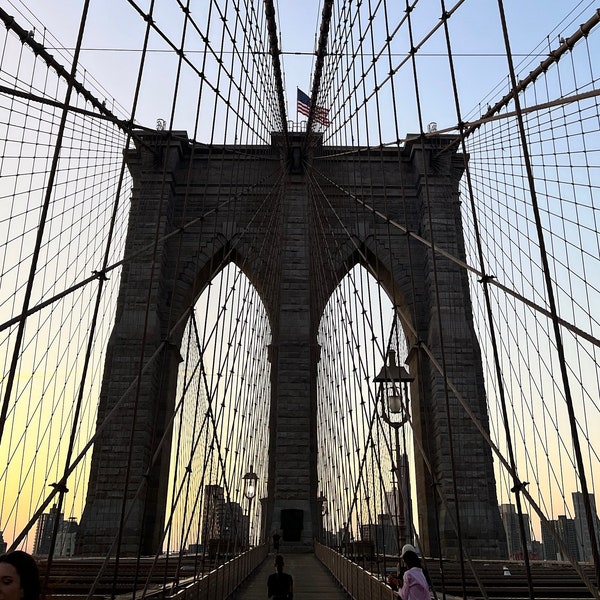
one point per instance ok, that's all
(114, 412)
(321, 53)
(493, 335)
(102, 274)
(405, 320)
(275, 53)
(22, 320)
(505, 462)
(475, 270)
(552, 301)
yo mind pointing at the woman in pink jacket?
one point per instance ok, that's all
(414, 583)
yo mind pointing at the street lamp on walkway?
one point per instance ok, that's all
(393, 394)
(322, 502)
(250, 480)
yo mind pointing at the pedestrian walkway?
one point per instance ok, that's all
(312, 581)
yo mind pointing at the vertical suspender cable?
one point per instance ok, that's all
(517, 485)
(552, 302)
(439, 317)
(141, 358)
(321, 53)
(42, 223)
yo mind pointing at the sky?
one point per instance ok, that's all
(112, 42)
(115, 32)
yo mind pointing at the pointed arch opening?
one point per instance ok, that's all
(364, 450)
(220, 429)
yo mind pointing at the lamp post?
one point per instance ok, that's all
(263, 519)
(322, 500)
(394, 380)
(250, 479)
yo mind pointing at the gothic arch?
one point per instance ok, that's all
(197, 235)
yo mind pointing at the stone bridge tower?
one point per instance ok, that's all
(231, 188)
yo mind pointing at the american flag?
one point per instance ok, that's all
(321, 114)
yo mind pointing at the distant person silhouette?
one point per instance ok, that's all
(280, 585)
(276, 540)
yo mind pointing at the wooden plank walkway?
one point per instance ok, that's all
(312, 581)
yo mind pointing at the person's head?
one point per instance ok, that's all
(19, 576)
(409, 556)
(279, 563)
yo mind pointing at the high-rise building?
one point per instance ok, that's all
(550, 547)
(391, 503)
(65, 540)
(235, 524)
(510, 520)
(581, 525)
(383, 537)
(344, 535)
(222, 521)
(537, 550)
(568, 534)
(398, 503)
(45, 530)
(212, 513)
(565, 529)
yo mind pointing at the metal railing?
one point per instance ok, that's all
(218, 584)
(360, 584)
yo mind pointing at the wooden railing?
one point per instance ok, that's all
(360, 584)
(218, 584)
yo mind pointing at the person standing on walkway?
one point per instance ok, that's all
(276, 539)
(280, 585)
(414, 583)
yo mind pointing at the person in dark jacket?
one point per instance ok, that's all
(280, 585)
(276, 539)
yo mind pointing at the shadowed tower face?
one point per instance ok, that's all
(272, 202)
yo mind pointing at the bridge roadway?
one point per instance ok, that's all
(312, 581)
